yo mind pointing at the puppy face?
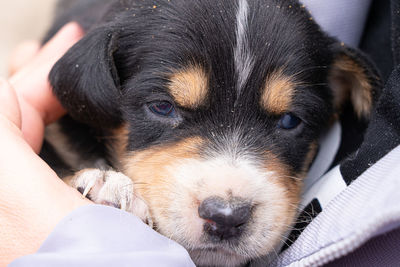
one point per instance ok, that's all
(217, 108)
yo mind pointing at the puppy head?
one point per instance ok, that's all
(217, 109)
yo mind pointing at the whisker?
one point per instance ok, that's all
(291, 177)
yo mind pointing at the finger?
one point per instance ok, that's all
(10, 113)
(46, 103)
(9, 107)
(66, 37)
(22, 55)
(39, 106)
(32, 83)
(54, 49)
(33, 126)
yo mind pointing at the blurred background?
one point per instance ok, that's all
(21, 20)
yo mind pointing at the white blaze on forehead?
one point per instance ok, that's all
(243, 59)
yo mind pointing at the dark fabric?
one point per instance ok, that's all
(376, 41)
(307, 215)
(396, 30)
(352, 134)
(381, 251)
(383, 133)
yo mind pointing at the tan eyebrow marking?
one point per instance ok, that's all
(189, 86)
(277, 93)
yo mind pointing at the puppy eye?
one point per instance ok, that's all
(162, 108)
(289, 121)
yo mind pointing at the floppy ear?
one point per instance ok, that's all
(354, 78)
(86, 81)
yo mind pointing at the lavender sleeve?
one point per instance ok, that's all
(99, 236)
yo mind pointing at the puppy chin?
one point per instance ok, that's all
(175, 192)
(217, 257)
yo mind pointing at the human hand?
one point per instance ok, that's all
(32, 198)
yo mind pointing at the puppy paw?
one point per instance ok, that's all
(111, 188)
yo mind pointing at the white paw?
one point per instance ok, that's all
(111, 188)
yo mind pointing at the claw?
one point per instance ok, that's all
(89, 187)
(112, 189)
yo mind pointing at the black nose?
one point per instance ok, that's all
(224, 220)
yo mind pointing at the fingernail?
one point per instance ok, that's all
(73, 27)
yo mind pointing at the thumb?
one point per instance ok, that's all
(22, 55)
(9, 108)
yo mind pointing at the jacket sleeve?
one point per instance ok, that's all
(99, 236)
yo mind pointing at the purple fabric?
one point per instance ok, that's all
(380, 251)
(101, 236)
(343, 19)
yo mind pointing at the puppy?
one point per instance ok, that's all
(208, 112)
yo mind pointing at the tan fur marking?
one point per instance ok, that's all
(148, 167)
(119, 145)
(348, 80)
(189, 86)
(285, 177)
(278, 93)
(291, 185)
(312, 150)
